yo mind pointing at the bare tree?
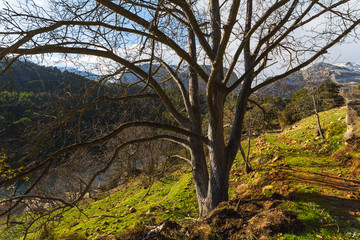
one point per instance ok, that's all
(247, 37)
(312, 90)
(321, 92)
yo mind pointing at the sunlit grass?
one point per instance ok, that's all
(174, 198)
(133, 206)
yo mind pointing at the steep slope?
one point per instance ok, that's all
(25, 76)
(296, 171)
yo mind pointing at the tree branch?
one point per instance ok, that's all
(310, 60)
(162, 37)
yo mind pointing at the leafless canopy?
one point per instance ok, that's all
(201, 45)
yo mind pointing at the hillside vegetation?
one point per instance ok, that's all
(296, 171)
(37, 100)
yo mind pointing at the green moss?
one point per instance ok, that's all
(174, 198)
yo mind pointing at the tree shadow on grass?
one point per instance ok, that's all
(325, 202)
(335, 214)
(326, 183)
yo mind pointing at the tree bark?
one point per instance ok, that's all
(198, 160)
(317, 117)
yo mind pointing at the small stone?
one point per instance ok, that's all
(350, 196)
(242, 188)
(279, 157)
(267, 188)
(132, 210)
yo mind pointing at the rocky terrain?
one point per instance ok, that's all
(347, 75)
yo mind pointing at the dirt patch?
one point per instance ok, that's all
(167, 230)
(227, 222)
(255, 218)
(133, 234)
(271, 222)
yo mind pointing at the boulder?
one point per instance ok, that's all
(353, 121)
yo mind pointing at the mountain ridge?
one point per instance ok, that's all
(344, 74)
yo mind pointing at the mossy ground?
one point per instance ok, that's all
(319, 187)
(129, 207)
(171, 198)
(309, 172)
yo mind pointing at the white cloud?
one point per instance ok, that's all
(40, 3)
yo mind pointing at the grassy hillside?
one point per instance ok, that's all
(312, 175)
(128, 207)
(295, 170)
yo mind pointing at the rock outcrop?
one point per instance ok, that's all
(352, 134)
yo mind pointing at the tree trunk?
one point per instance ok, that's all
(318, 118)
(319, 125)
(201, 177)
(212, 188)
(221, 156)
(215, 190)
(198, 159)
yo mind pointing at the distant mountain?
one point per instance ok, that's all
(162, 75)
(30, 77)
(26, 76)
(346, 75)
(34, 98)
(349, 65)
(88, 75)
(284, 87)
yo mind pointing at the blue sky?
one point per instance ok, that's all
(346, 52)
